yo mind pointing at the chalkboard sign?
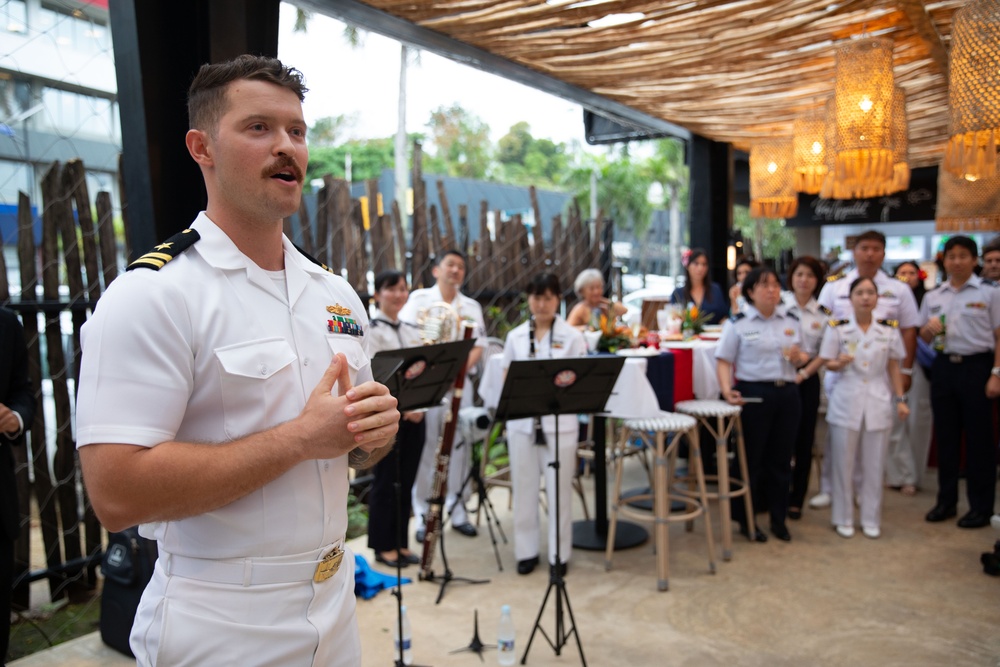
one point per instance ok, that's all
(914, 204)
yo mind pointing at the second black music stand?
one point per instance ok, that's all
(418, 378)
(542, 387)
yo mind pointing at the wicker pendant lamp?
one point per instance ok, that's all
(964, 205)
(772, 194)
(974, 91)
(863, 100)
(900, 131)
(810, 151)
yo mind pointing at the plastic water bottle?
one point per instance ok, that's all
(505, 638)
(939, 340)
(407, 635)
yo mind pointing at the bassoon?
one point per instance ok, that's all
(432, 523)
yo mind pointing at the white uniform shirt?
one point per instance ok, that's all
(754, 344)
(813, 319)
(972, 314)
(895, 299)
(560, 342)
(389, 335)
(863, 390)
(467, 308)
(208, 349)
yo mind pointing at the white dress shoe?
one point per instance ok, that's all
(845, 531)
(995, 521)
(820, 500)
(871, 532)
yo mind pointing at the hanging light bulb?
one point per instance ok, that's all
(809, 154)
(863, 100)
(974, 91)
(771, 192)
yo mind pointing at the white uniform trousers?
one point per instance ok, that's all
(184, 622)
(458, 470)
(910, 439)
(826, 465)
(528, 462)
(846, 447)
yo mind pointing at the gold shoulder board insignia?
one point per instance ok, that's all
(890, 323)
(825, 310)
(837, 323)
(337, 309)
(834, 277)
(166, 251)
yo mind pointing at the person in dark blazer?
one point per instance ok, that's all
(17, 409)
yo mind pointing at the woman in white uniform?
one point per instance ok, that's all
(388, 332)
(866, 352)
(545, 336)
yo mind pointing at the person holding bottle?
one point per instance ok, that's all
(866, 353)
(544, 336)
(762, 344)
(966, 374)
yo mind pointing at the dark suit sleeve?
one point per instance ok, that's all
(19, 397)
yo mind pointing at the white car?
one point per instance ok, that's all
(633, 300)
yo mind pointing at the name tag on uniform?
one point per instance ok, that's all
(558, 344)
(935, 309)
(750, 335)
(977, 305)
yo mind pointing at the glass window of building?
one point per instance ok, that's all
(14, 177)
(74, 114)
(73, 28)
(14, 16)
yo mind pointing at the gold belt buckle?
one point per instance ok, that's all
(328, 567)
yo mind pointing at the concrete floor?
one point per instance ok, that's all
(915, 597)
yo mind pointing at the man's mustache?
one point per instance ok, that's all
(288, 164)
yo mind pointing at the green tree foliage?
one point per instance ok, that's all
(329, 130)
(767, 236)
(368, 158)
(667, 169)
(525, 160)
(622, 189)
(461, 141)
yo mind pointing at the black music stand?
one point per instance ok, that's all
(541, 387)
(418, 378)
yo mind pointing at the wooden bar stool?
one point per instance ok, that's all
(665, 465)
(721, 419)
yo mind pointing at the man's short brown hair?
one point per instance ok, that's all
(207, 94)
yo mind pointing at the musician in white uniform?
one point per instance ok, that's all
(220, 403)
(895, 302)
(544, 336)
(449, 272)
(862, 406)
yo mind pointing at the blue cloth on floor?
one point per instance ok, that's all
(368, 582)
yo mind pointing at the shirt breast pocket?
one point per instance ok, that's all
(351, 348)
(255, 378)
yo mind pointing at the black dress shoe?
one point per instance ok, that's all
(411, 558)
(758, 534)
(781, 532)
(562, 568)
(941, 513)
(392, 562)
(527, 566)
(795, 513)
(466, 529)
(974, 519)
(419, 536)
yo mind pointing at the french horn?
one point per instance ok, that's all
(438, 323)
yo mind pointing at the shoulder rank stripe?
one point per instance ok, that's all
(826, 311)
(313, 259)
(837, 323)
(792, 316)
(889, 323)
(166, 251)
(737, 317)
(834, 277)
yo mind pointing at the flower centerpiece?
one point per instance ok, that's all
(692, 321)
(614, 336)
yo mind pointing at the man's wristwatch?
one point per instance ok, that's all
(901, 399)
(906, 371)
(995, 371)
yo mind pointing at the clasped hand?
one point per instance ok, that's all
(840, 363)
(363, 417)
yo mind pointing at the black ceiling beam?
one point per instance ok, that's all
(376, 20)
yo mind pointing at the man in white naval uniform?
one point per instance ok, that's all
(895, 302)
(449, 274)
(223, 396)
